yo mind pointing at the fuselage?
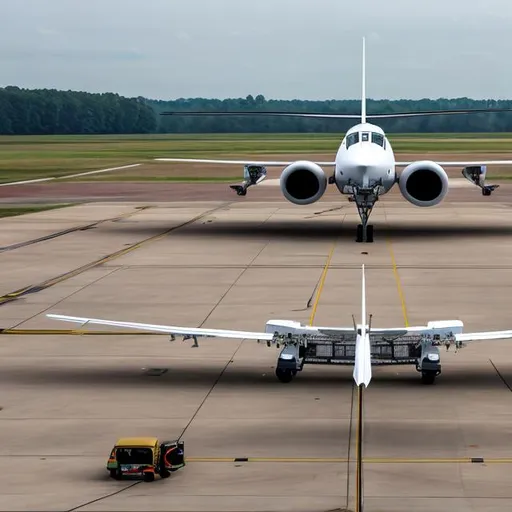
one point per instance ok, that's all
(365, 158)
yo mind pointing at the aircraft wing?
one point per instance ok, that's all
(461, 163)
(168, 329)
(480, 336)
(272, 163)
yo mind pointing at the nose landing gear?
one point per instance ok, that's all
(365, 199)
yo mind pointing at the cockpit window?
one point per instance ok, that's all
(378, 138)
(353, 138)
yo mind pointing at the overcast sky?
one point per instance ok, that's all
(307, 49)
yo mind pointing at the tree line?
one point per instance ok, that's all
(49, 111)
(52, 112)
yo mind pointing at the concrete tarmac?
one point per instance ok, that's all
(66, 399)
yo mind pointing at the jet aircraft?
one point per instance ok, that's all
(360, 346)
(364, 167)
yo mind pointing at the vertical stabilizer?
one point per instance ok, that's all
(363, 86)
(363, 359)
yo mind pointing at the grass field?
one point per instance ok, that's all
(31, 157)
(11, 211)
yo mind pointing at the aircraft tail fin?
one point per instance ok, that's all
(363, 85)
(363, 359)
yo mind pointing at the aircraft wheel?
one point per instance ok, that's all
(486, 192)
(284, 375)
(115, 474)
(369, 233)
(428, 377)
(359, 237)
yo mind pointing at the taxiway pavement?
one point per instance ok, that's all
(66, 399)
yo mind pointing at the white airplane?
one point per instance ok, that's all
(360, 345)
(364, 167)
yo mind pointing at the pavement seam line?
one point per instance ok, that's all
(68, 231)
(82, 288)
(77, 271)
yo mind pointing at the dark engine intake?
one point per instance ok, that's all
(423, 183)
(303, 182)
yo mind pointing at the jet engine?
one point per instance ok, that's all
(303, 182)
(423, 183)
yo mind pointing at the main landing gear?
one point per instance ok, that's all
(365, 199)
(429, 362)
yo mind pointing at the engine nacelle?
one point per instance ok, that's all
(303, 182)
(423, 183)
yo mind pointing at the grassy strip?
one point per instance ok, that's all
(11, 211)
(32, 157)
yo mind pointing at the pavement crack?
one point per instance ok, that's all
(244, 270)
(217, 380)
(105, 496)
(501, 376)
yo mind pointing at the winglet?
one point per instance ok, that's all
(363, 358)
(363, 85)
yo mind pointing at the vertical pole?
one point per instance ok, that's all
(359, 451)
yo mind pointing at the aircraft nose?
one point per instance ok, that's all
(366, 159)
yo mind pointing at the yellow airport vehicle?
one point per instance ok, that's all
(145, 457)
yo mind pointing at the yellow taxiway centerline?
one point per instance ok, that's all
(324, 460)
(398, 283)
(321, 284)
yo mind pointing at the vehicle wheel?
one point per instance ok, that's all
(428, 377)
(165, 473)
(114, 474)
(285, 375)
(149, 477)
(369, 233)
(359, 237)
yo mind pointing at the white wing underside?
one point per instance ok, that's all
(168, 329)
(277, 163)
(226, 333)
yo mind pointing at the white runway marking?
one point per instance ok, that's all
(23, 182)
(68, 175)
(99, 171)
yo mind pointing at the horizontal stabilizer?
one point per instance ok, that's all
(322, 115)
(448, 163)
(479, 336)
